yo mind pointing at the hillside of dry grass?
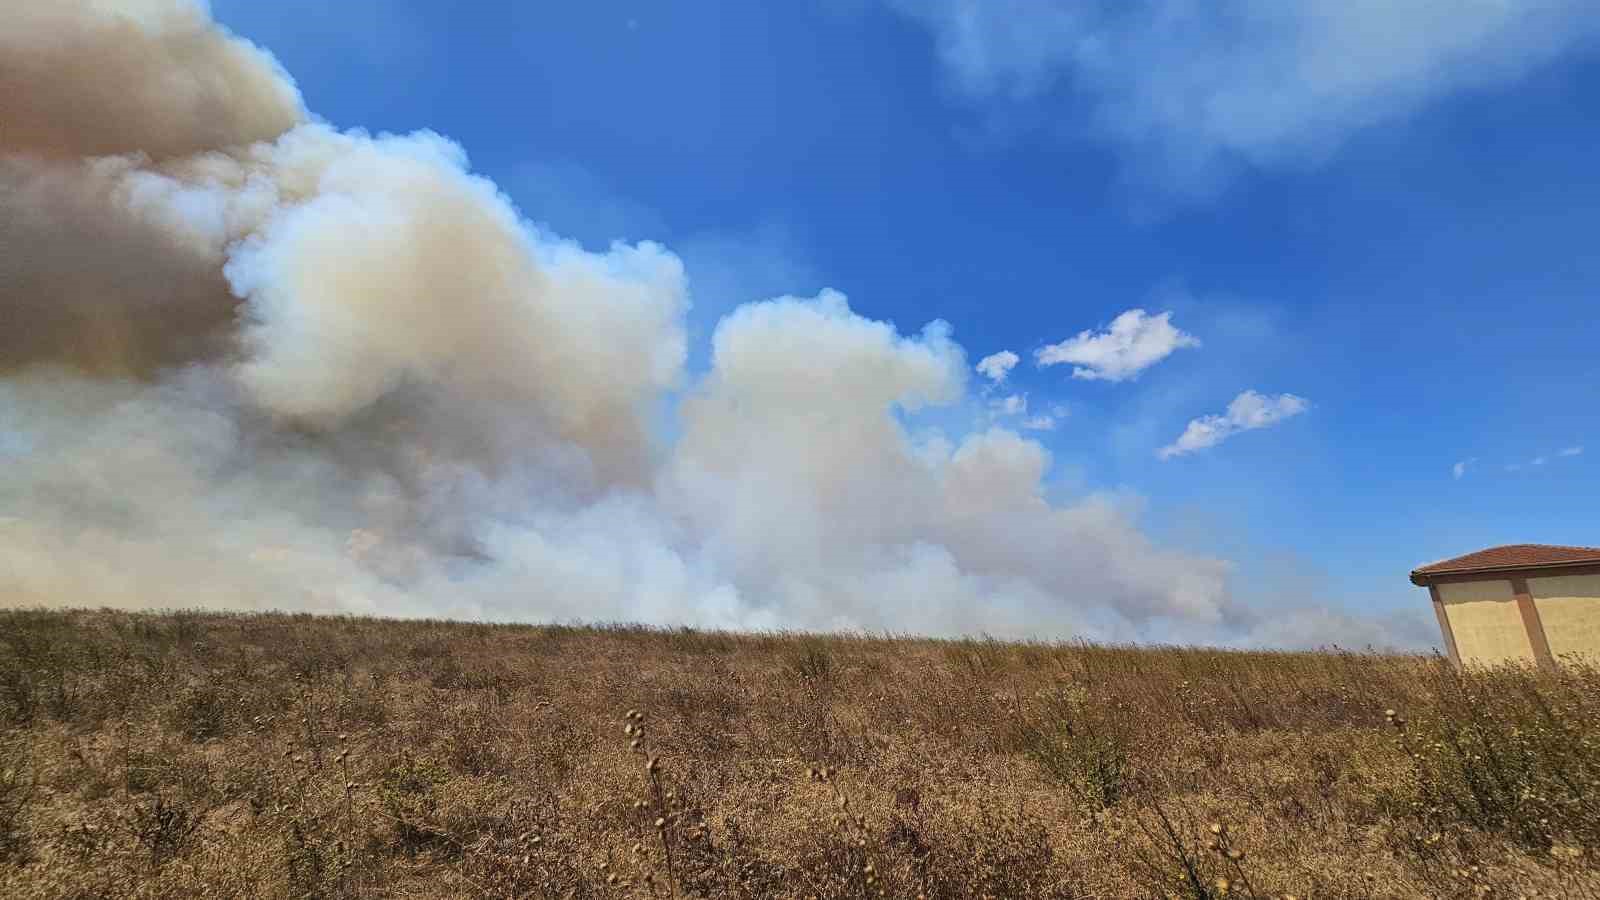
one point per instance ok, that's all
(190, 755)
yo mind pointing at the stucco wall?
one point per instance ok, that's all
(1569, 607)
(1484, 617)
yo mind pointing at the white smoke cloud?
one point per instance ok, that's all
(262, 363)
(1193, 87)
(1246, 412)
(1135, 341)
(1316, 626)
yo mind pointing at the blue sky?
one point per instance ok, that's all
(1388, 216)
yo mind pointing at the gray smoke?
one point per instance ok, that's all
(250, 361)
(153, 77)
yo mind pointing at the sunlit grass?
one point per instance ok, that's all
(189, 755)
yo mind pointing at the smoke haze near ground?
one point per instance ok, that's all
(250, 362)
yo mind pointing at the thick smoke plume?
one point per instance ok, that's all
(249, 361)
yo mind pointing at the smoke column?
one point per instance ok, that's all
(249, 361)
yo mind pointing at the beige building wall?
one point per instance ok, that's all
(1487, 625)
(1569, 607)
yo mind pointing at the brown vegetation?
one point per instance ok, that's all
(197, 755)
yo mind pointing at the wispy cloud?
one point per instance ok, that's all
(1460, 469)
(371, 32)
(1247, 412)
(1039, 423)
(583, 204)
(1135, 341)
(1544, 458)
(996, 366)
(1014, 405)
(1046, 421)
(1014, 409)
(1192, 89)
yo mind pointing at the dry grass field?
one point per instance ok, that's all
(201, 755)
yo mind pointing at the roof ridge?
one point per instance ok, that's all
(1557, 546)
(1541, 546)
(1510, 556)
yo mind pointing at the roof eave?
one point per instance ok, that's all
(1421, 579)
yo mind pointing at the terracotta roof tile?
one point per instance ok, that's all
(1511, 556)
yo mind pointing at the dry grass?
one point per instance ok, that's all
(193, 755)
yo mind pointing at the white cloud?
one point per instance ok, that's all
(1247, 412)
(996, 366)
(1460, 469)
(1194, 87)
(1542, 459)
(1134, 342)
(1014, 405)
(1046, 421)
